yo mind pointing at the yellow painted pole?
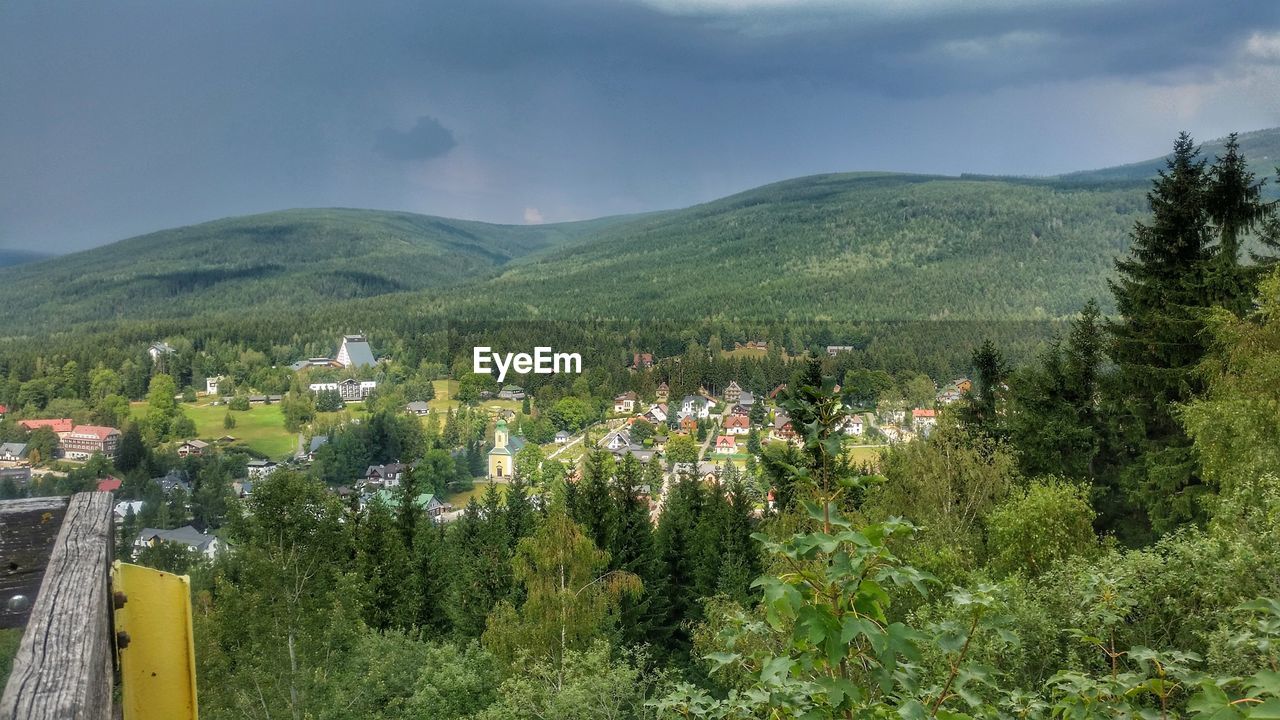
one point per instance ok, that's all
(155, 643)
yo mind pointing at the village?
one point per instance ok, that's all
(699, 433)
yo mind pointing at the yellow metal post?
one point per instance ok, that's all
(155, 643)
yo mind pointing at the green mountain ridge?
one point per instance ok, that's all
(868, 246)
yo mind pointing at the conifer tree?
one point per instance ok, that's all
(382, 563)
(1163, 287)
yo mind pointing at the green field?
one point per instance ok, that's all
(260, 429)
(446, 399)
(460, 500)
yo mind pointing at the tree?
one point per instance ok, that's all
(382, 563)
(1041, 526)
(228, 421)
(1234, 204)
(981, 410)
(1055, 420)
(568, 594)
(41, 445)
(682, 449)
(1162, 289)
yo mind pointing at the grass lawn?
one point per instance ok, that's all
(260, 429)
(460, 500)
(446, 399)
(861, 454)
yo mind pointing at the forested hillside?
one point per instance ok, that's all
(280, 261)
(846, 247)
(1261, 147)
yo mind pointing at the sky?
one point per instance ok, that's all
(131, 116)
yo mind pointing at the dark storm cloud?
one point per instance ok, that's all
(425, 140)
(124, 118)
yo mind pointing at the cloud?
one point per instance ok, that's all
(532, 216)
(1263, 46)
(427, 139)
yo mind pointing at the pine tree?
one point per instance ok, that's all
(678, 551)
(382, 563)
(1055, 420)
(592, 502)
(1163, 287)
(518, 513)
(428, 581)
(631, 549)
(981, 411)
(1234, 203)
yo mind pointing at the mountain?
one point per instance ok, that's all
(848, 247)
(279, 261)
(863, 246)
(1260, 147)
(10, 257)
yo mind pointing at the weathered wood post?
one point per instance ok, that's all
(63, 668)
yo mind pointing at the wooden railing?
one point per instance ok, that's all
(64, 665)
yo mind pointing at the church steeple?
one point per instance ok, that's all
(500, 434)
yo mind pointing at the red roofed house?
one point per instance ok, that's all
(924, 418)
(726, 445)
(737, 425)
(86, 440)
(108, 484)
(642, 361)
(61, 426)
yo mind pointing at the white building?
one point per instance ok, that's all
(349, 390)
(354, 352)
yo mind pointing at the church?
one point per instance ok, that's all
(503, 455)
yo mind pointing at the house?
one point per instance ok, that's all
(656, 415)
(664, 392)
(511, 392)
(746, 398)
(751, 345)
(709, 472)
(192, 447)
(782, 428)
(740, 410)
(193, 539)
(349, 390)
(160, 350)
(13, 452)
(688, 423)
(833, 350)
(502, 456)
(737, 425)
(172, 481)
(259, 469)
(428, 503)
(85, 441)
(242, 488)
(854, 425)
(108, 484)
(696, 405)
(616, 440)
(59, 426)
(774, 393)
(418, 407)
(641, 361)
(732, 393)
(562, 437)
(354, 351)
(313, 445)
(211, 384)
(125, 506)
(312, 362)
(923, 419)
(726, 445)
(625, 403)
(385, 476)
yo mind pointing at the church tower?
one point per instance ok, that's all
(500, 458)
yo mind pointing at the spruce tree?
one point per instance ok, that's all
(1162, 290)
(382, 563)
(1234, 204)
